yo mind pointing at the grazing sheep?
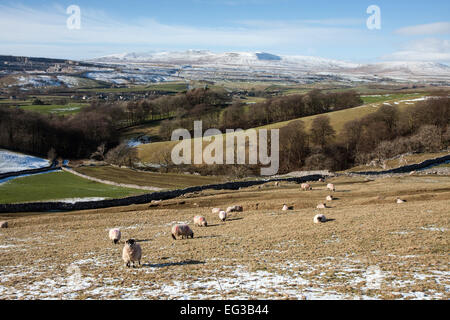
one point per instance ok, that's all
(321, 180)
(4, 224)
(400, 200)
(182, 230)
(200, 221)
(305, 186)
(320, 218)
(277, 184)
(115, 235)
(216, 210)
(132, 252)
(222, 216)
(286, 208)
(235, 209)
(321, 206)
(331, 187)
(330, 198)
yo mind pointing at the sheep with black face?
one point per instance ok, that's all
(131, 253)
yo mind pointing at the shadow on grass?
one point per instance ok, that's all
(145, 240)
(206, 237)
(330, 220)
(172, 264)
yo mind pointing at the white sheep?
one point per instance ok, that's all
(320, 218)
(306, 186)
(330, 198)
(235, 209)
(277, 184)
(285, 208)
(200, 221)
(223, 216)
(321, 206)
(115, 235)
(331, 187)
(400, 200)
(132, 252)
(182, 230)
(3, 224)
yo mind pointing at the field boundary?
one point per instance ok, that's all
(140, 199)
(28, 171)
(405, 169)
(112, 183)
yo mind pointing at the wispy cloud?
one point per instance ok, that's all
(436, 50)
(437, 28)
(46, 28)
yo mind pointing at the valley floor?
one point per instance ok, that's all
(371, 247)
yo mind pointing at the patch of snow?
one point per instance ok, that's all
(14, 161)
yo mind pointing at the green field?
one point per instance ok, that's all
(70, 108)
(159, 180)
(169, 87)
(58, 185)
(386, 97)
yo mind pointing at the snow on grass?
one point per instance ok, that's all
(13, 161)
(75, 200)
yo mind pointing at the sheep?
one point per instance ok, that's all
(320, 218)
(222, 216)
(3, 224)
(321, 206)
(400, 200)
(182, 230)
(286, 208)
(235, 209)
(132, 252)
(115, 235)
(331, 187)
(321, 180)
(216, 210)
(277, 184)
(330, 198)
(305, 186)
(200, 221)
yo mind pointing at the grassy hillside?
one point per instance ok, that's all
(261, 253)
(139, 178)
(57, 185)
(151, 152)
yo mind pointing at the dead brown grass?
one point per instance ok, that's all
(260, 253)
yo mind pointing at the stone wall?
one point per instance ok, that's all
(141, 199)
(408, 168)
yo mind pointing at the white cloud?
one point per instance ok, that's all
(426, 29)
(46, 27)
(435, 50)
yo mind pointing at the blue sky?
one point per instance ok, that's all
(410, 30)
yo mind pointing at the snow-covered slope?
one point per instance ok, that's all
(248, 66)
(207, 58)
(13, 161)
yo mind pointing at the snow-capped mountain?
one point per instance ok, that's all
(205, 58)
(207, 65)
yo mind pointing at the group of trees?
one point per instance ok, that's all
(386, 133)
(72, 136)
(79, 135)
(276, 109)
